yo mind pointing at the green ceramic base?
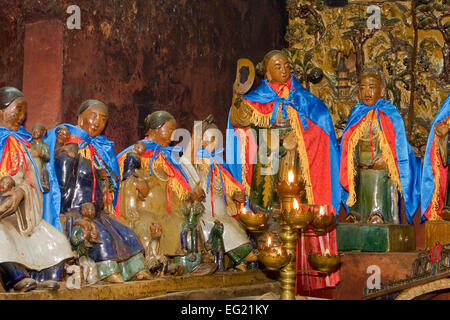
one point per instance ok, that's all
(376, 237)
(189, 266)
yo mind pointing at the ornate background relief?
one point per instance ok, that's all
(409, 40)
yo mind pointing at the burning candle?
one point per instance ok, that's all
(321, 211)
(327, 252)
(295, 204)
(269, 242)
(279, 252)
(290, 176)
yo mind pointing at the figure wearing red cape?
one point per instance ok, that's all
(435, 167)
(319, 159)
(155, 155)
(402, 165)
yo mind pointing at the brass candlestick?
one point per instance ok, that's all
(287, 274)
(287, 191)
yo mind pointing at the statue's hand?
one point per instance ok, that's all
(441, 130)
(238, 100)
(239, 196)
(379, 163)
(10, 205)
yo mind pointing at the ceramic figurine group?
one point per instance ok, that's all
(69, 205)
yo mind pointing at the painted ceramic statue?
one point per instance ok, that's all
(224, 194)
(435, 194)
(154, 192)
(377, 162)
(32, 252)
(91, 176)
(306, 143)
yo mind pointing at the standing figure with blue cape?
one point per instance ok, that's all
(435, 196)
(32, 252)
(377, 162)
(91, 175)
(281, 110)
(156, 192)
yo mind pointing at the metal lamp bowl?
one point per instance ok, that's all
(300, 218)
(272, 261)
(324, 263)
(323, 222)
(253, 221)
(285, 188)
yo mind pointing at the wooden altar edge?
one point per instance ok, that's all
(143, 289)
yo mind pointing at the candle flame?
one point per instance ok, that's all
(327, 252)
(290, 176)
(322, 211)
(279, 252)
(295, 204)
(269, 241)
(243, 210)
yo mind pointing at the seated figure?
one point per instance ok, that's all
(154, 194)
(224, 195)
(92, 176)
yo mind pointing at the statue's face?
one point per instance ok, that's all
(88, 211)
(38, 132)
(211, 139)
(278, 69)
(163, 135)
(13, 116)
(63, 135)
(370, 90)
(139, 148)
(93, 120)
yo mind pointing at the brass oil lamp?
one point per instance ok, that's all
(323, 220)
(326, 262)
(299, 216)
(288, 190)
(253, 221)
(272, 256)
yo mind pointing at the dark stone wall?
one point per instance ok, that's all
(138, 56)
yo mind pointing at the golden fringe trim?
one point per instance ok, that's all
(437, 177)
(85, 153)
(385, 151)
(243, 146)
(173, 184)
(230, 187)
(351, 171)
(301, 149)
(14, 156)
(121, 161)
(389, 159)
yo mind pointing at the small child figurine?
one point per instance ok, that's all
(217, 245)
(83, 235)
(6, 184)
(192, 209)
(133, 161)
(62, 136)
(88, 228)
(42, 150)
